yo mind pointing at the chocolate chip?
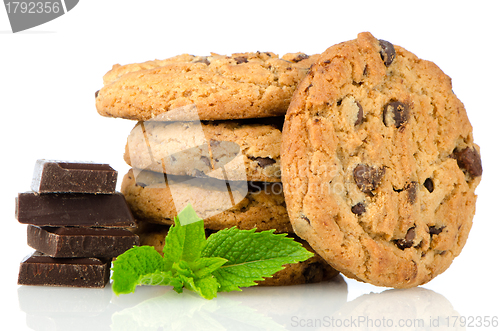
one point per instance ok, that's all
(358, 209)
(96, 93)
(407, 242)
(367, 178)
(411, 188)
(241, 59)
(300, 57)
(359, 120)
(429, 185)
(199, 173)
(327, 62)
(388, 53)
(203, 59)
(206, 160)
(433, 230)
(263, 161)
(399, 111)
(214, 143)
(469, 160)
(313, 273)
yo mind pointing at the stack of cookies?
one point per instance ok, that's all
(378, 165)
(76, 222)
(208, 134)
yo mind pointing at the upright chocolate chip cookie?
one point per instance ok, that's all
(378, 164)
(243, 85)
(204, 149)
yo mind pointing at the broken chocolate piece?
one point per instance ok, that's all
(74, 209)
(429, 185)
(433, 230)
(73, 177)
(359, 120)
(39, 269)
(81, 242)
(300, 57)
(396, 111)
(263, 161)
(411, 188)
(203, 59)
(241, 59)
(358, 209)
(388, 53)
(469, 160)
(407, 242)
(367, 178)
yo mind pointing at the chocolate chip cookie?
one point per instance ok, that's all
(379, 166)
(243, 85)
(313, 270)
(204, 149)
(157, 198)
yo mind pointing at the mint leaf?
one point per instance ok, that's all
(185, 277)
(206, 266)
(251, 255)
(131, 266)
(185, 242)
(226, 261)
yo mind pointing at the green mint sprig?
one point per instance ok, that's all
(227, 260)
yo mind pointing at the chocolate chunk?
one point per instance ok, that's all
(206, 160)
(429, 185)
(81, 242)
(203, 59)
(367, 178)
(300, 57)
(469, 160)
(74, 209)
(407, 242)
(388, 53)
(313, 273)
(263, 161)
(39, 269)
(304, 217)
(433, 230)
(241, 59)
(73, 177)
(396, 111)
(358, 209)
(359, 120)
(96, 93)
(411, 189)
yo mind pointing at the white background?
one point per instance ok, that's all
(48, 76)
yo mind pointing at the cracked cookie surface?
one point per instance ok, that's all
(243, 85)
(249, 205)
(199, 149)
(378, 162)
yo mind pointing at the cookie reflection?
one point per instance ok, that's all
(407, 309)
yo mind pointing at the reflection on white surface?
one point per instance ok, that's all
(321, 306)
(406, 309)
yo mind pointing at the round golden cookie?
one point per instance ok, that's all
(243, 85)
(378, 162)
(198, 149)
(153, 197)
(313, 270)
